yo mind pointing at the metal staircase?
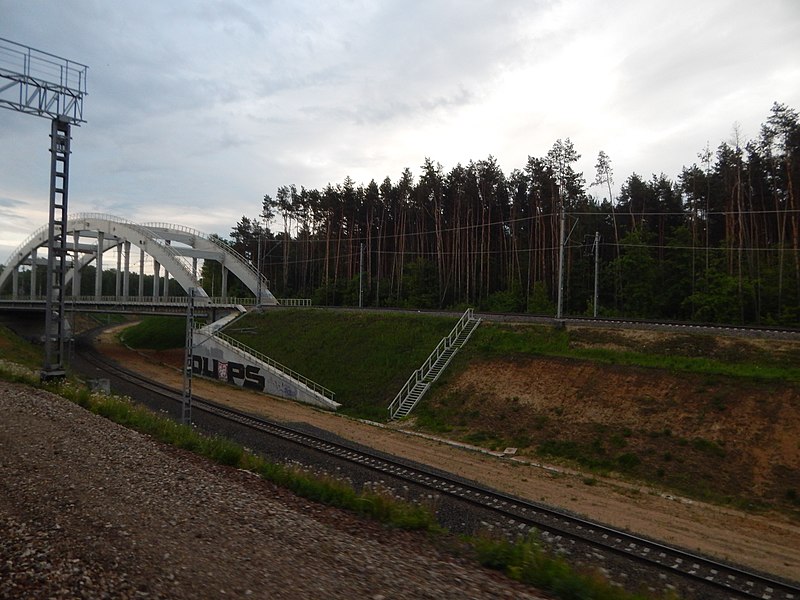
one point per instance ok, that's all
(422, 379)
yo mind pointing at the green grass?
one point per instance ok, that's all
(14, 348)
(503, 341)
(156, 333)
(526, 561)
(364, 358)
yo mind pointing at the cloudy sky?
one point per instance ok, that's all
(197, 108)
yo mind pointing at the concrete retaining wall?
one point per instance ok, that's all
(214, 358)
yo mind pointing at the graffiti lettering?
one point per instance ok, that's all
(248, 376)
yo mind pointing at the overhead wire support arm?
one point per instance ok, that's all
(40, 83)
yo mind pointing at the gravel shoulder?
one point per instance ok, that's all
(89, 509)
(765, 542)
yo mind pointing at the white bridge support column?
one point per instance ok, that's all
(34, 258)
(15, 283)
(126, 278)
(76, 265)
(98, 276)
(141, 273)
(156, 279)
(118, 278)
(224, 283)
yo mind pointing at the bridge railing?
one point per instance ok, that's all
(133, 300)
(319, 389)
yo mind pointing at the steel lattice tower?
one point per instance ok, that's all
(45, 85)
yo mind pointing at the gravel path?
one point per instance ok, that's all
(89, 509)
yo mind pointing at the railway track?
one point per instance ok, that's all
(521, 515)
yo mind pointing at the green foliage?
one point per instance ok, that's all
(420, 285)
(637, 269)
(156, 333)
(539, 302)
(506, 301)
(524, 560)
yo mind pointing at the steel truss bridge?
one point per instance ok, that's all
(174, 250)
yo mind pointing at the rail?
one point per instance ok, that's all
(319, 389)
(422, 372)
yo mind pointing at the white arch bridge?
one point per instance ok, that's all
(174, 249)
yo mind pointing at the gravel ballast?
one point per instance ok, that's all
(89, 509)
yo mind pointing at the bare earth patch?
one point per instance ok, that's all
(767, 542)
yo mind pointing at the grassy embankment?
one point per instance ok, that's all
(365, 358)
(522, 560)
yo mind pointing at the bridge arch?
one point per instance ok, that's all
(154, 239)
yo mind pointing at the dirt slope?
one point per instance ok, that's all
(720, 438)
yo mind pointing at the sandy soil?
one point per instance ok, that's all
(767, 542)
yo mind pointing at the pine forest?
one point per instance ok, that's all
(717, 245)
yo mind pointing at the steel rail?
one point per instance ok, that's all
(523, 513)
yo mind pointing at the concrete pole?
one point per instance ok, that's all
(98, 276)
(15, 283)
(141, 273)
(126, 278)
(224, 284)
(118, 278)
(76, 267)
(596, 269)
(34, 258)
(166, 284)
(156, 279)
(560, 309)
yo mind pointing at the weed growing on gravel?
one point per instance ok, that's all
(17, 373)
(524, 560)
(222, 450)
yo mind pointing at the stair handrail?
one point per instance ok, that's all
(426, 367)
(319, 389)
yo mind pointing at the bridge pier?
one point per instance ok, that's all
(76, 265)
(224, 283)
(118, 274)
(126, 278)
(156, 279)
(141, 273)
(98, 275)
(15, 283)
(34, 259)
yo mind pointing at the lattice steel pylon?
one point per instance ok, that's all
(43, 84)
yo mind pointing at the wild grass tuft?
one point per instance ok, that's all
(524, 560)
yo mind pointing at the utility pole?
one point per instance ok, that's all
(361, 278)
(43, 84)
(258, 261)
(560, 308)
(596, 269)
